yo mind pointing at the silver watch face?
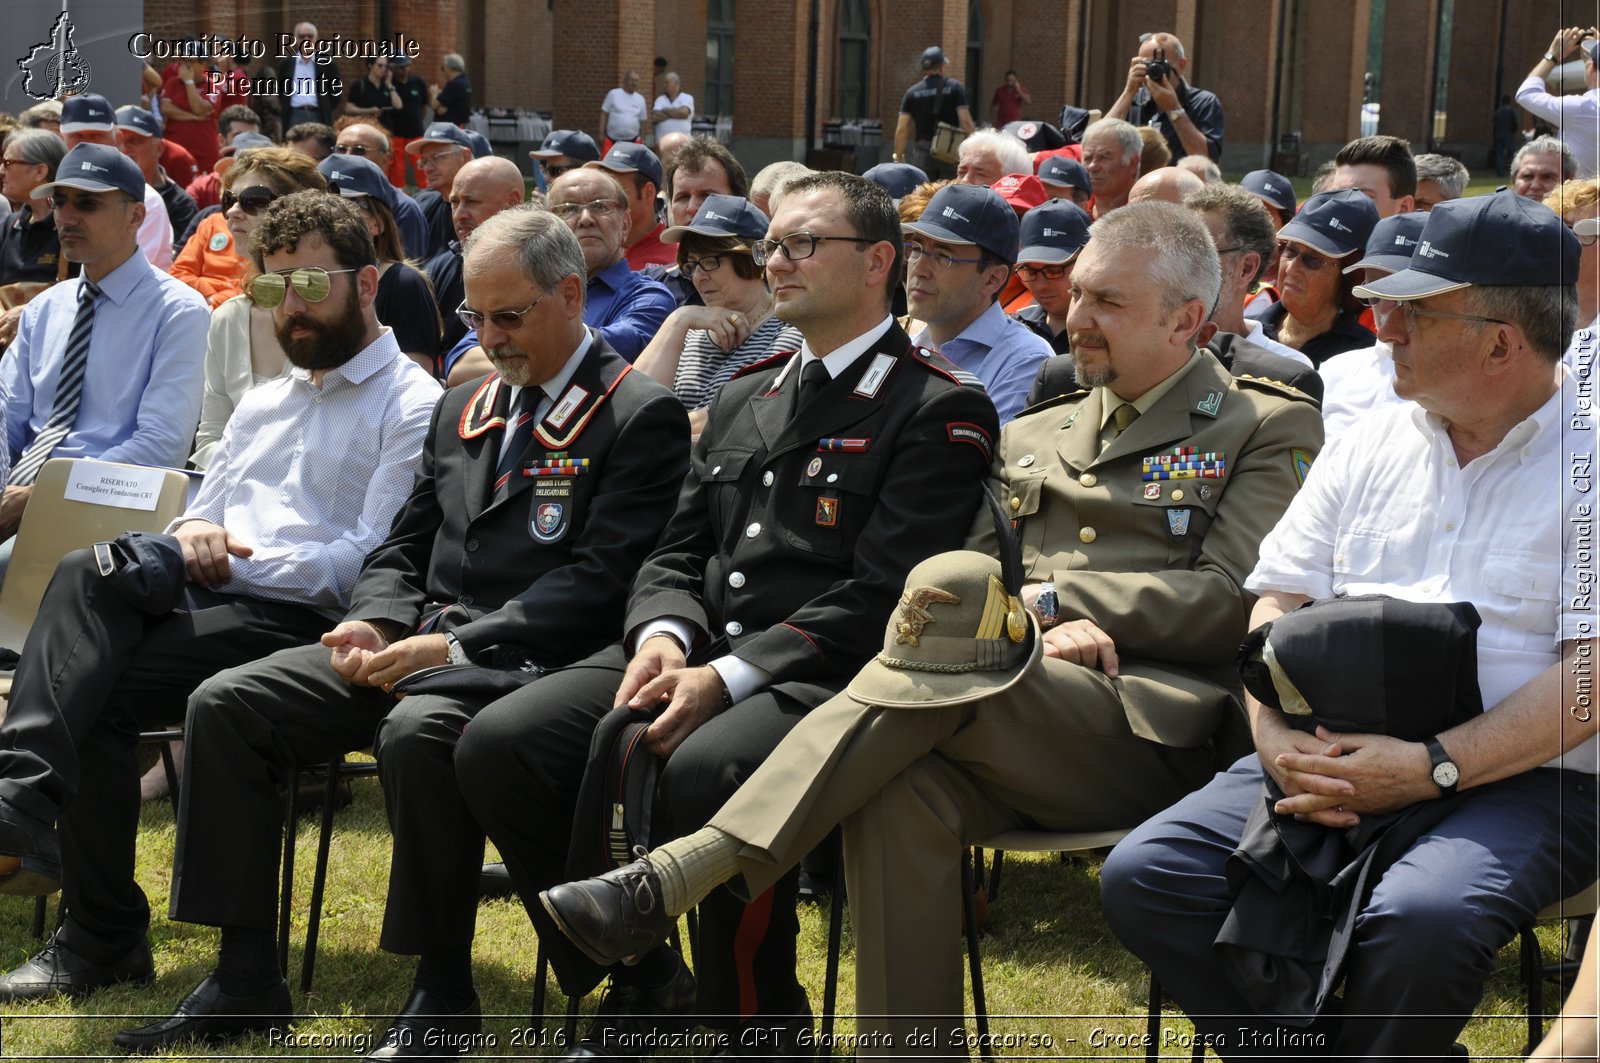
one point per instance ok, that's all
(1446, 775)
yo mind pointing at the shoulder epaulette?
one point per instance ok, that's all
(946, 368)
(1265, 383)
(1056, 400)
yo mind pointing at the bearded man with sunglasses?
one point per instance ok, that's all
(541, 489)
(271, 546)
(131, 392)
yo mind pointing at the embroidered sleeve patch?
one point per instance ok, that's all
(966, 432)
(1302, 463)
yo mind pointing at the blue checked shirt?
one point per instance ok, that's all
(144, 378)
(311, 478)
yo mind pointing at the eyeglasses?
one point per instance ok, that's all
(504, 320)
(708, 263)
(431, 158)
(1412, 311)
(351, 149)
(87, 204)
(251, 200)
(915, 253)
(1230, 250)
(311, 283)
(797, 246)
(16, 162)
(1029, 274)
(599, 208)
(1309, 259)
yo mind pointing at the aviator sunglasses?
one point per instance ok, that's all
(311, 283)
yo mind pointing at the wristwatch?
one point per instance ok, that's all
(1175, 114)
(1445, 772)
(1550, 58)
(454, 653)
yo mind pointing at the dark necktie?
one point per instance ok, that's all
(519, 430)
(813, 378)
(69, 392)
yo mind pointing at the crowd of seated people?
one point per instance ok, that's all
(1075, 425)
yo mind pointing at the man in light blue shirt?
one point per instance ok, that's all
(142, 380)
(305, 482)
(959, 256)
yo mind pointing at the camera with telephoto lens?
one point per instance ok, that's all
(1156, 68)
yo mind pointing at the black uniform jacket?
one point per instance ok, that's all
(795, 528)
(543, 574)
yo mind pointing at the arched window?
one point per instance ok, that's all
(855, 57)
(719, 58)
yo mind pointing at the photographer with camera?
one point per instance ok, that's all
(1157, 94)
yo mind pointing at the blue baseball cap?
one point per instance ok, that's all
(970, 215)
(1392, 242)
(933, 56)
(1062, 172)
(87, 113)
(896, 178)
(1272, 187)
(1053, 232)
(1333, 223)
(722, 216)
(628, 157)
(400, 59)
(1491, 241)
(441, 133)
(247, 140)
(351, 175)
(573, 143)
(138, 120)
(95, 168)
(480, 144)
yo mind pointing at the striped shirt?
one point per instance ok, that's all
(311, 477)
(704, 367)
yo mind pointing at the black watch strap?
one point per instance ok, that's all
(1445, 773)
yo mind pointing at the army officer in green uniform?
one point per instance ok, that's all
(1140, 503)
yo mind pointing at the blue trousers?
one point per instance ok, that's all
(1424, 944)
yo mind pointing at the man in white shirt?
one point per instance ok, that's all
(308, 475)
(624, 113)
(1475, 494)
(674, 109)
(1576, 118)
(1362, 380)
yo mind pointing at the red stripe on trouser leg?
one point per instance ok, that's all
(752, 931)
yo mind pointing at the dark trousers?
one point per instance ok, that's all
(95, 671)
(1424, 944)
(248, 729)
(519, 765)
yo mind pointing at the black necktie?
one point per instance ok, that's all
(518, 431)
(69, 391)
(813, 378)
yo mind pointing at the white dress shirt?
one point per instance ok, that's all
(155, 232)
(1576, 118)
(1258, 336)
(739, 676)
(310, 477)
(1386, 511)
(1353, 385)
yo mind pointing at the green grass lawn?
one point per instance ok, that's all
(1052, 968)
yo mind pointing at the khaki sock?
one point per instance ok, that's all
(691, 867)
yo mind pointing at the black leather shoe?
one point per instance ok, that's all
(57, 970)
(613, 917)
(495, 881)
(30, 854)
(426, 1029)
(632, 1020)
(209, 1014)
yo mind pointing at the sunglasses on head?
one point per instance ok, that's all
(251, 200)
(311, 283)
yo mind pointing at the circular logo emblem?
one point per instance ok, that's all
(218, 241)
(815, 467)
